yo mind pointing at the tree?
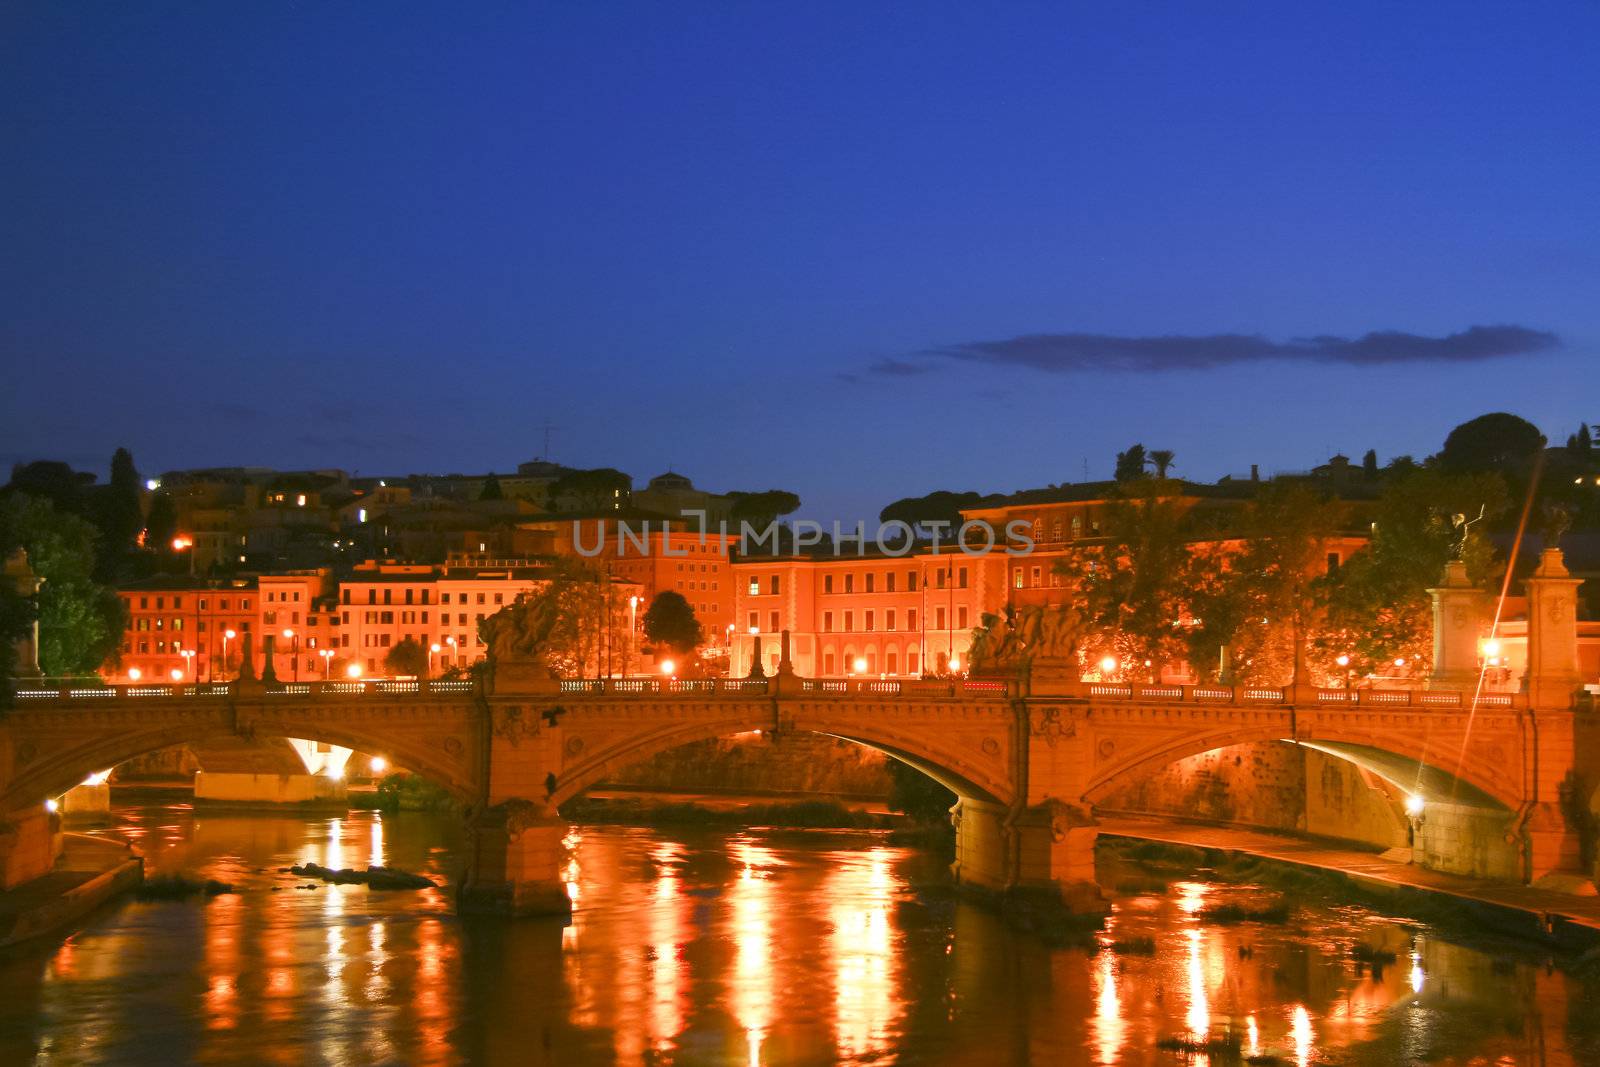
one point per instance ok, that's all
(761, 509)
(1255, 602)
(1130, 464)
(1161, 460)
(938, 506)
(1378, 608)
(670, 622)
(53, 481)
(572, 626)
(16, 619)
(161, 525)
(918, 795)
(491, 488)
(1369, 465)
(407, 658)
(80, 621)
(1493, 442)
(118, 514)
(1133, 587)
(1580, 445)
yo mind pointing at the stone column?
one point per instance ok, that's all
(980, 845)
(515, 862)
(1552, 676)
(1457, 616)
(1054, 844)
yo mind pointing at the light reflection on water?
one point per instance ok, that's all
(745, 948)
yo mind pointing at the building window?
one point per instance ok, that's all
(869, 582)
(827, 663)
(961, 578)
(961, 617)
(938, 619)
(1036, 577)
(849, 621)
(1016, 578)
(911, 619)
(827, 622)
(888, 582)
(827, 583)
(1077, 527)
(755, 625)
(911, 581)
(773, 617)
(849, 583)
(911, 663)
(869, 622)
(888, 619)
(773, 585)
(889, 659)
(755, 586)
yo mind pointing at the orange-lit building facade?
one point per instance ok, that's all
(877, 615)
(182, 625)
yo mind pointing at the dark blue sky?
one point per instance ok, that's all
(792, 245)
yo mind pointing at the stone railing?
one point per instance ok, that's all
(970, 688)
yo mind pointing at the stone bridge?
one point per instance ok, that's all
(1029, 757)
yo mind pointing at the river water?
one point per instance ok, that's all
(769, 947)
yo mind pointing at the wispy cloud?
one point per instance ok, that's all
(1067, 352)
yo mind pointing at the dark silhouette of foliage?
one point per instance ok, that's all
(1130, 464)
(491, 489)
(670, 622)
(761, 508)
(917, 795)
(407, 657)
(1494, 442)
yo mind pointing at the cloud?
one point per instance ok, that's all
(1067, 352)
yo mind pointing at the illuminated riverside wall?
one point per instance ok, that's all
(1281, 787)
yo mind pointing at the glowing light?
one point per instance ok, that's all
(181, 542)
(229, 634)
(1417, 977)
(134, 674)
(175, 674)
(353, 671)
(1342, 660)
(1300, 1031)
(1109, 665)
(1491, 648)
(379, 764)
(1415, 804)
(288, 634)
(754, 630)
(955, 663)
(52, 805)
(1252, 1036)
(152, 484)
(859, 664)
(1399, 661)
(97, 778)
(434, 648)
(667, 667)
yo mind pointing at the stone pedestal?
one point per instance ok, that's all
(1457, 621)
(515, 862)
(1552, 677)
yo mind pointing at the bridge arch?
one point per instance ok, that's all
(1488, 776)
(43, 769)
(979, 775)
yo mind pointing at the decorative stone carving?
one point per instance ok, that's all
(513, 725)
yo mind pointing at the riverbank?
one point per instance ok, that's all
(1567, 921)
(90, 872)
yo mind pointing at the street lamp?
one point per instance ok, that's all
(859, 665)
(353, 671)
(188, 660)
(227, 635)
(134, 674)
(327, 661)
(1108, 665)
(633, 631)
(667, 667)
(294, 653)
(433, 650)
(175, 674)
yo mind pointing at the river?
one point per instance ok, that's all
(759, 946)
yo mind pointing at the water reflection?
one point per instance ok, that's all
(752, 948)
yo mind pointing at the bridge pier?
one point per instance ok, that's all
(30, 842)
(1046, 850)
(514, 863)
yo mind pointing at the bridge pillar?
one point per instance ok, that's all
(1055, 854)
(1552, 676)
(30, 841)
(515, 860)
(1457, 614)
(1550, 846)
(1047, 849)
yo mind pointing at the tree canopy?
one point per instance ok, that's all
(491, 488)
(938, 506)
(572, 626)
(407, 658)
(1494, 442)
(1130, 464)
(764, 507)
(670, 623)
(80, 620)
(590, 490)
